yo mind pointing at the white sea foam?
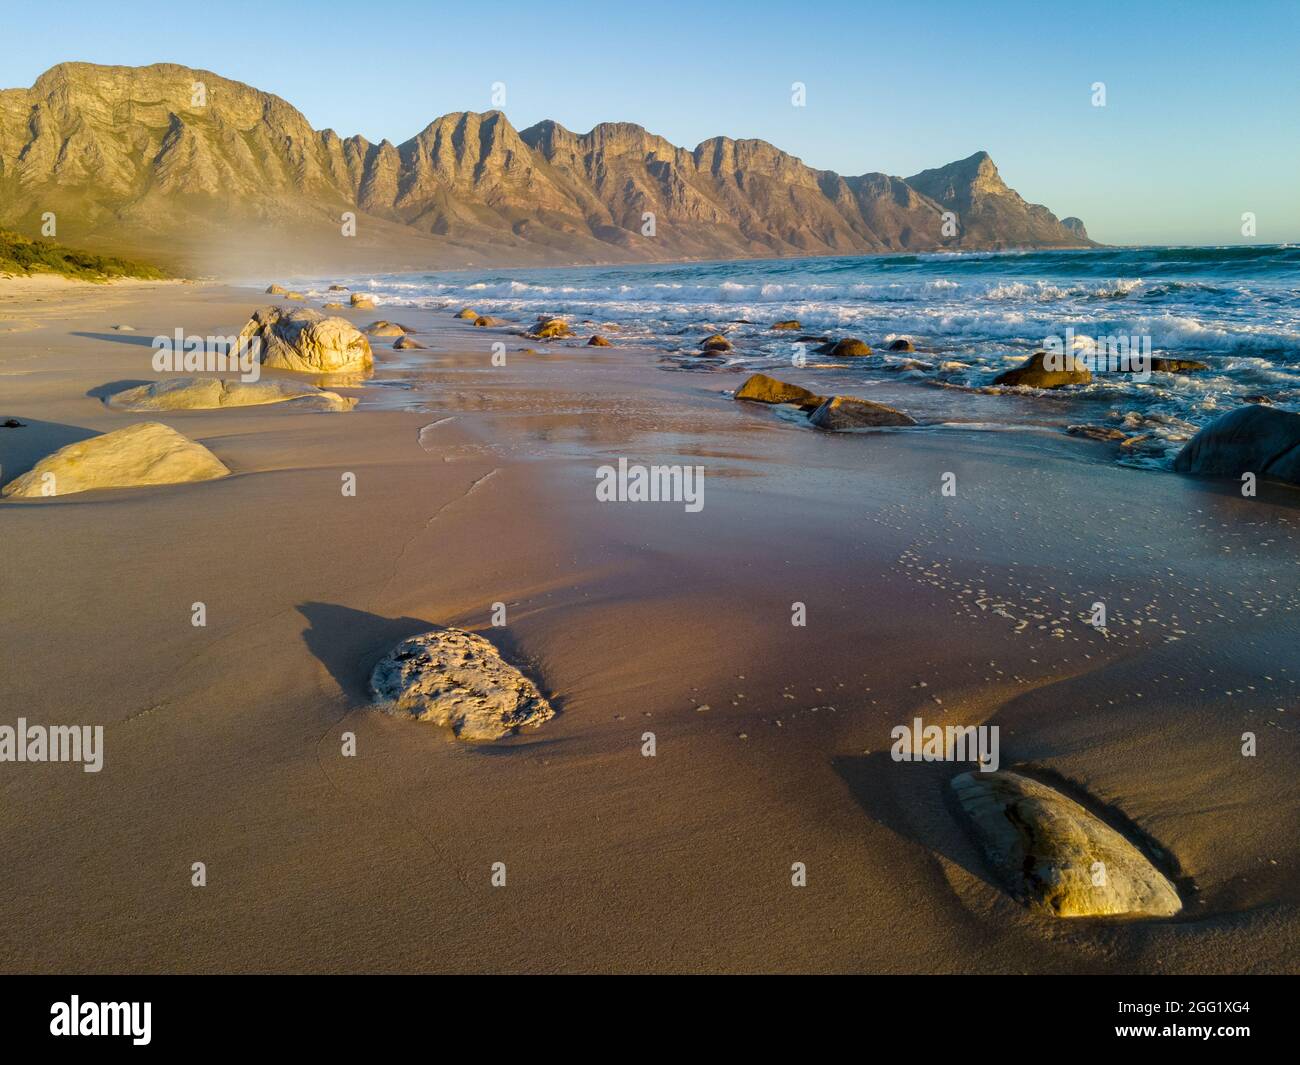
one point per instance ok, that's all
(970, 316)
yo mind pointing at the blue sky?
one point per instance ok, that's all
(1201, 123)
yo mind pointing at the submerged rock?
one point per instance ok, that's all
(338, 288)
(849, 412)
(760, 388)
(1035, 374)
(384, 328)
(1051, 853)
(331, 306)
(12, 423)
(306, 341)
(716, 343)
(901, 345)
(1096, 432)
(210, 393)
(468, 313)
(275, 290)
(458, 679)
(295, 296)
(789, 323)
(598, 341)
(1179, 365)
(484, 321)
(1254, 439)
(405, 343)
(148, 453)
(361, 301)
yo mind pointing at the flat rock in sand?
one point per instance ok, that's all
(1046, 849)
(458, 679)
(149, 453)
(210, 393)
(849, 412)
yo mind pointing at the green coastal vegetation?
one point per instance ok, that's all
(20, 255)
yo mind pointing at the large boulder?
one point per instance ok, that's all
(849, 412)
(548, 328)
(1054, 855)
(147, 453)
(1254, 439)
(849, 347)
(210, 393)
(1036, 374)
(759, 388)
(458, 679)
(306, 341)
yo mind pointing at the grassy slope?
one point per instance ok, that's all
(18, 255)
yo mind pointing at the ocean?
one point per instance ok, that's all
(968, 315)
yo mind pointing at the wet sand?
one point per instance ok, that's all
(223, 743)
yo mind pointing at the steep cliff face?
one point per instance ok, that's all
(166, 157)
(989, 214)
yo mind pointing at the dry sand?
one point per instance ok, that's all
(476, 485)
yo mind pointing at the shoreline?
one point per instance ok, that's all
(477, 485)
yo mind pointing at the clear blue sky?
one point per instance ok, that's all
(1202, 120)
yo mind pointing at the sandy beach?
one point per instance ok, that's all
(476, 485)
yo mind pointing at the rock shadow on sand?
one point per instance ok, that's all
(138, 339)
(21, 449)
(104, 391)
(911, 800)
(350, 642)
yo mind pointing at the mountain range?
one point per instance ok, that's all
(204, 173)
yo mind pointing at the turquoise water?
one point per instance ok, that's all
(969, 316)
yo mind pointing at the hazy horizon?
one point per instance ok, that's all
(1020, 86)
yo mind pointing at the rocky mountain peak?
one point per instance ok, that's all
(133, 157)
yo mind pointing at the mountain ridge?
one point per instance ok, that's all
(183, 163)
